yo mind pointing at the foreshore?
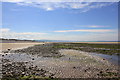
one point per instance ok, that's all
(54, 61)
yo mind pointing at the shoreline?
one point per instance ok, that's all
(61, 63)
(99, 42)
(35, 41)
(73, 64)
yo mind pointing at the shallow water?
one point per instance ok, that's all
(111, 58)
(23, 57)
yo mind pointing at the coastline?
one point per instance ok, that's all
(54, 61)
(99, 42)
(74, 63)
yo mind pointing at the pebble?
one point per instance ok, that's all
(103, 59)
(74, 67)
(9, 49)
(16, 69)
(101, 72)
(85, 70)
(43, 50)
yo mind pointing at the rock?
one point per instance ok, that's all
(23, 73)
(107, 69)
(51, 77)
(52, 74)
(103, 59)
(5, 51)
(85, 70)
(69, 58)
(74, 67)
(89, 68)
(9, 49)
(101, 72)
(42, 70)
(98, 74)
(17, 69)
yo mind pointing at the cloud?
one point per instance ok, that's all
(108, 35)
(83, 37)
(87, 30)
(7, 33)
(4, 29)
(96, 5)
(30, 33)
(28, 1)
(12, 1)
(49, 9)
(82, 6)
(96, 26)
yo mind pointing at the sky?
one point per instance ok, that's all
(78, 21)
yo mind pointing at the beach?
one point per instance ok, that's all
(51, 60)
(59, 40)
(13, 46)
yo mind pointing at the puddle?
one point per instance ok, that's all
(111, 58)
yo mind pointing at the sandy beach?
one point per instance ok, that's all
(13, 46)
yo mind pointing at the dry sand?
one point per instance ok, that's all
(13, 46)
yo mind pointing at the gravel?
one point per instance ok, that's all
(67, 67)
(45, 50)
(18, 70)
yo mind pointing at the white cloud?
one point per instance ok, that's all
(60, 0)
(12, 0)
(7, 33)
(93, 35)
(30, 33)
(87, 30)
(49, 6)
(97, 5)
(83, 37)
(49, 9)
(96, 26)
(4, 29)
